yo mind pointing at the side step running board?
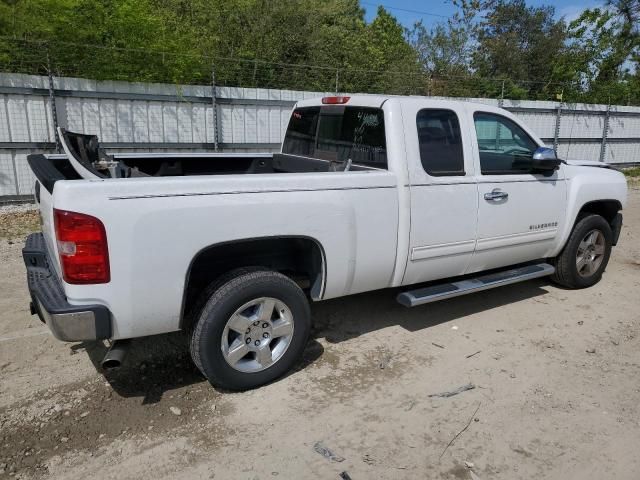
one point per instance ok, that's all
(442, 291)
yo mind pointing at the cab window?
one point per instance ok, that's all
(338, 133)
(504, 147)
(440, 142)
(300, 138)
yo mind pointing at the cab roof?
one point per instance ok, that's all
(376, 101)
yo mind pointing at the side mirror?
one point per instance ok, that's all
(545, 159)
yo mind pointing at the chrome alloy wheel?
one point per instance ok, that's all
(257, 335)
(590, 253)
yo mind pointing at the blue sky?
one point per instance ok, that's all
(570, 9)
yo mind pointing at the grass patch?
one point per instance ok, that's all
(19, 224)
(632, 172)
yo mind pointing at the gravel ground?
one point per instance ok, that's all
(16, 221)
(16, 208)
(555, 374)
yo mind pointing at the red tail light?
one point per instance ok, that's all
(335, 100)
(82, 245)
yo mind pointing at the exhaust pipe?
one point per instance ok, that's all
(115, 355)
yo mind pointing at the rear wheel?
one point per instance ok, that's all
(251, 328)
(586, 254)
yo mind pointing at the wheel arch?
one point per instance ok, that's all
(608, 209)
(298, 256)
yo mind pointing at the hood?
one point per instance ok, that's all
(587, 163)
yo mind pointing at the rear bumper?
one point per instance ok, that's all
(67, 322)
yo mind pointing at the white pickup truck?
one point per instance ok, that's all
(437, 198)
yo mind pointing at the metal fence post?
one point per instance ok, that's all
(501, 101)
(15, 172)
(605, 133)
(52, 103)
(556, 133)
(214, 104)
(13, 159)
(337, 77)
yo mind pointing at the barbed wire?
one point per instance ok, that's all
(252, 61)
(407, 10)
(102, 62)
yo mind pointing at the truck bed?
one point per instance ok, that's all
(84, 158)
(53, 167)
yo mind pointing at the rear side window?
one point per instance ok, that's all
(440, 142)
(338, 133)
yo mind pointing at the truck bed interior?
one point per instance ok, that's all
(171, 165)
(91, 161)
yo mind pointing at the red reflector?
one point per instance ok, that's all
(335, 100)
(82, 245)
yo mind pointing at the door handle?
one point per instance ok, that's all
(496, 194)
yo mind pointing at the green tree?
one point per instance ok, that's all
(248, 42)
(520, 44)
(605, 52)
(445, 51)
(447, 47)
(487, 48)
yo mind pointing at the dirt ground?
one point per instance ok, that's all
(556, 376)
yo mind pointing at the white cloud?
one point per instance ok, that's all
(572, 12)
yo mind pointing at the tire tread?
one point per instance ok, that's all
(564, 262)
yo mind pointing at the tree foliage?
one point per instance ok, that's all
(506, 48)
(447, 48)
(487, 48)
(248, 42)
(520, 43)
(605, 52)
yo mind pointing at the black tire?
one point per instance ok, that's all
(216, 306)
(566, 273)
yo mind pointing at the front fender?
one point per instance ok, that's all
(586, 187)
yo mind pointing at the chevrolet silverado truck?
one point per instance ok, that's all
(434, 198)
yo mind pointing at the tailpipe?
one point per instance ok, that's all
(115, 355)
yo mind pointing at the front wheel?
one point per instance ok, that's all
(251, 329)
(586, 254)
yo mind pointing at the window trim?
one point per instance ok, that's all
(451, 173)
(501, 172)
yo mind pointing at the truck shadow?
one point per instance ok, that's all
(349, 317)
(152, 367)
(160, 364)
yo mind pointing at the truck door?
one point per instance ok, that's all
(520, 211)
(443, 190)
